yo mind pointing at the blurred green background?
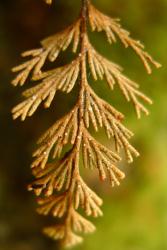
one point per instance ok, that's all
(135, 214)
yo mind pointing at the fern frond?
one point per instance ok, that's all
(58, 183)
(101, 67)
(97, 155)
(53, 177)
(55, 205)
(62, 79)
(48, 1)
(59, 232)
(113, 29)
(61, 133)
(80, 224)
(51, 47)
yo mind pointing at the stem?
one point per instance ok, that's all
(83, 82)
(83, 79)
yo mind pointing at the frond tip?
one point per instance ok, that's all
(51, 48)
(59, 232)
(113, 29)
(62, 79)
(48, 1)
(58, 183)
(102, 68)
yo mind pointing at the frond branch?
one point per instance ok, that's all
(101, 67)
(112, 28)
(51, 47)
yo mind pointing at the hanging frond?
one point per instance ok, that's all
(83, 197)
(51, 47)
(55, 176)
(55, 205)
(62, 79)
(61, 133)
(80, 224)
(97, 155)
(113, 29)
(87, 199)
(101, 67)
(76, 223)
(96, 109)
(67, 237)
(58, 183)
(104, 115)
(56, 232)
(48, 1)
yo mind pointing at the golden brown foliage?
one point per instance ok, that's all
(48, 1)
(59, 183)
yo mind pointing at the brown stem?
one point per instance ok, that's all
(83, 78)
(83, 81)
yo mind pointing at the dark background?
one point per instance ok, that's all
(135, 214)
